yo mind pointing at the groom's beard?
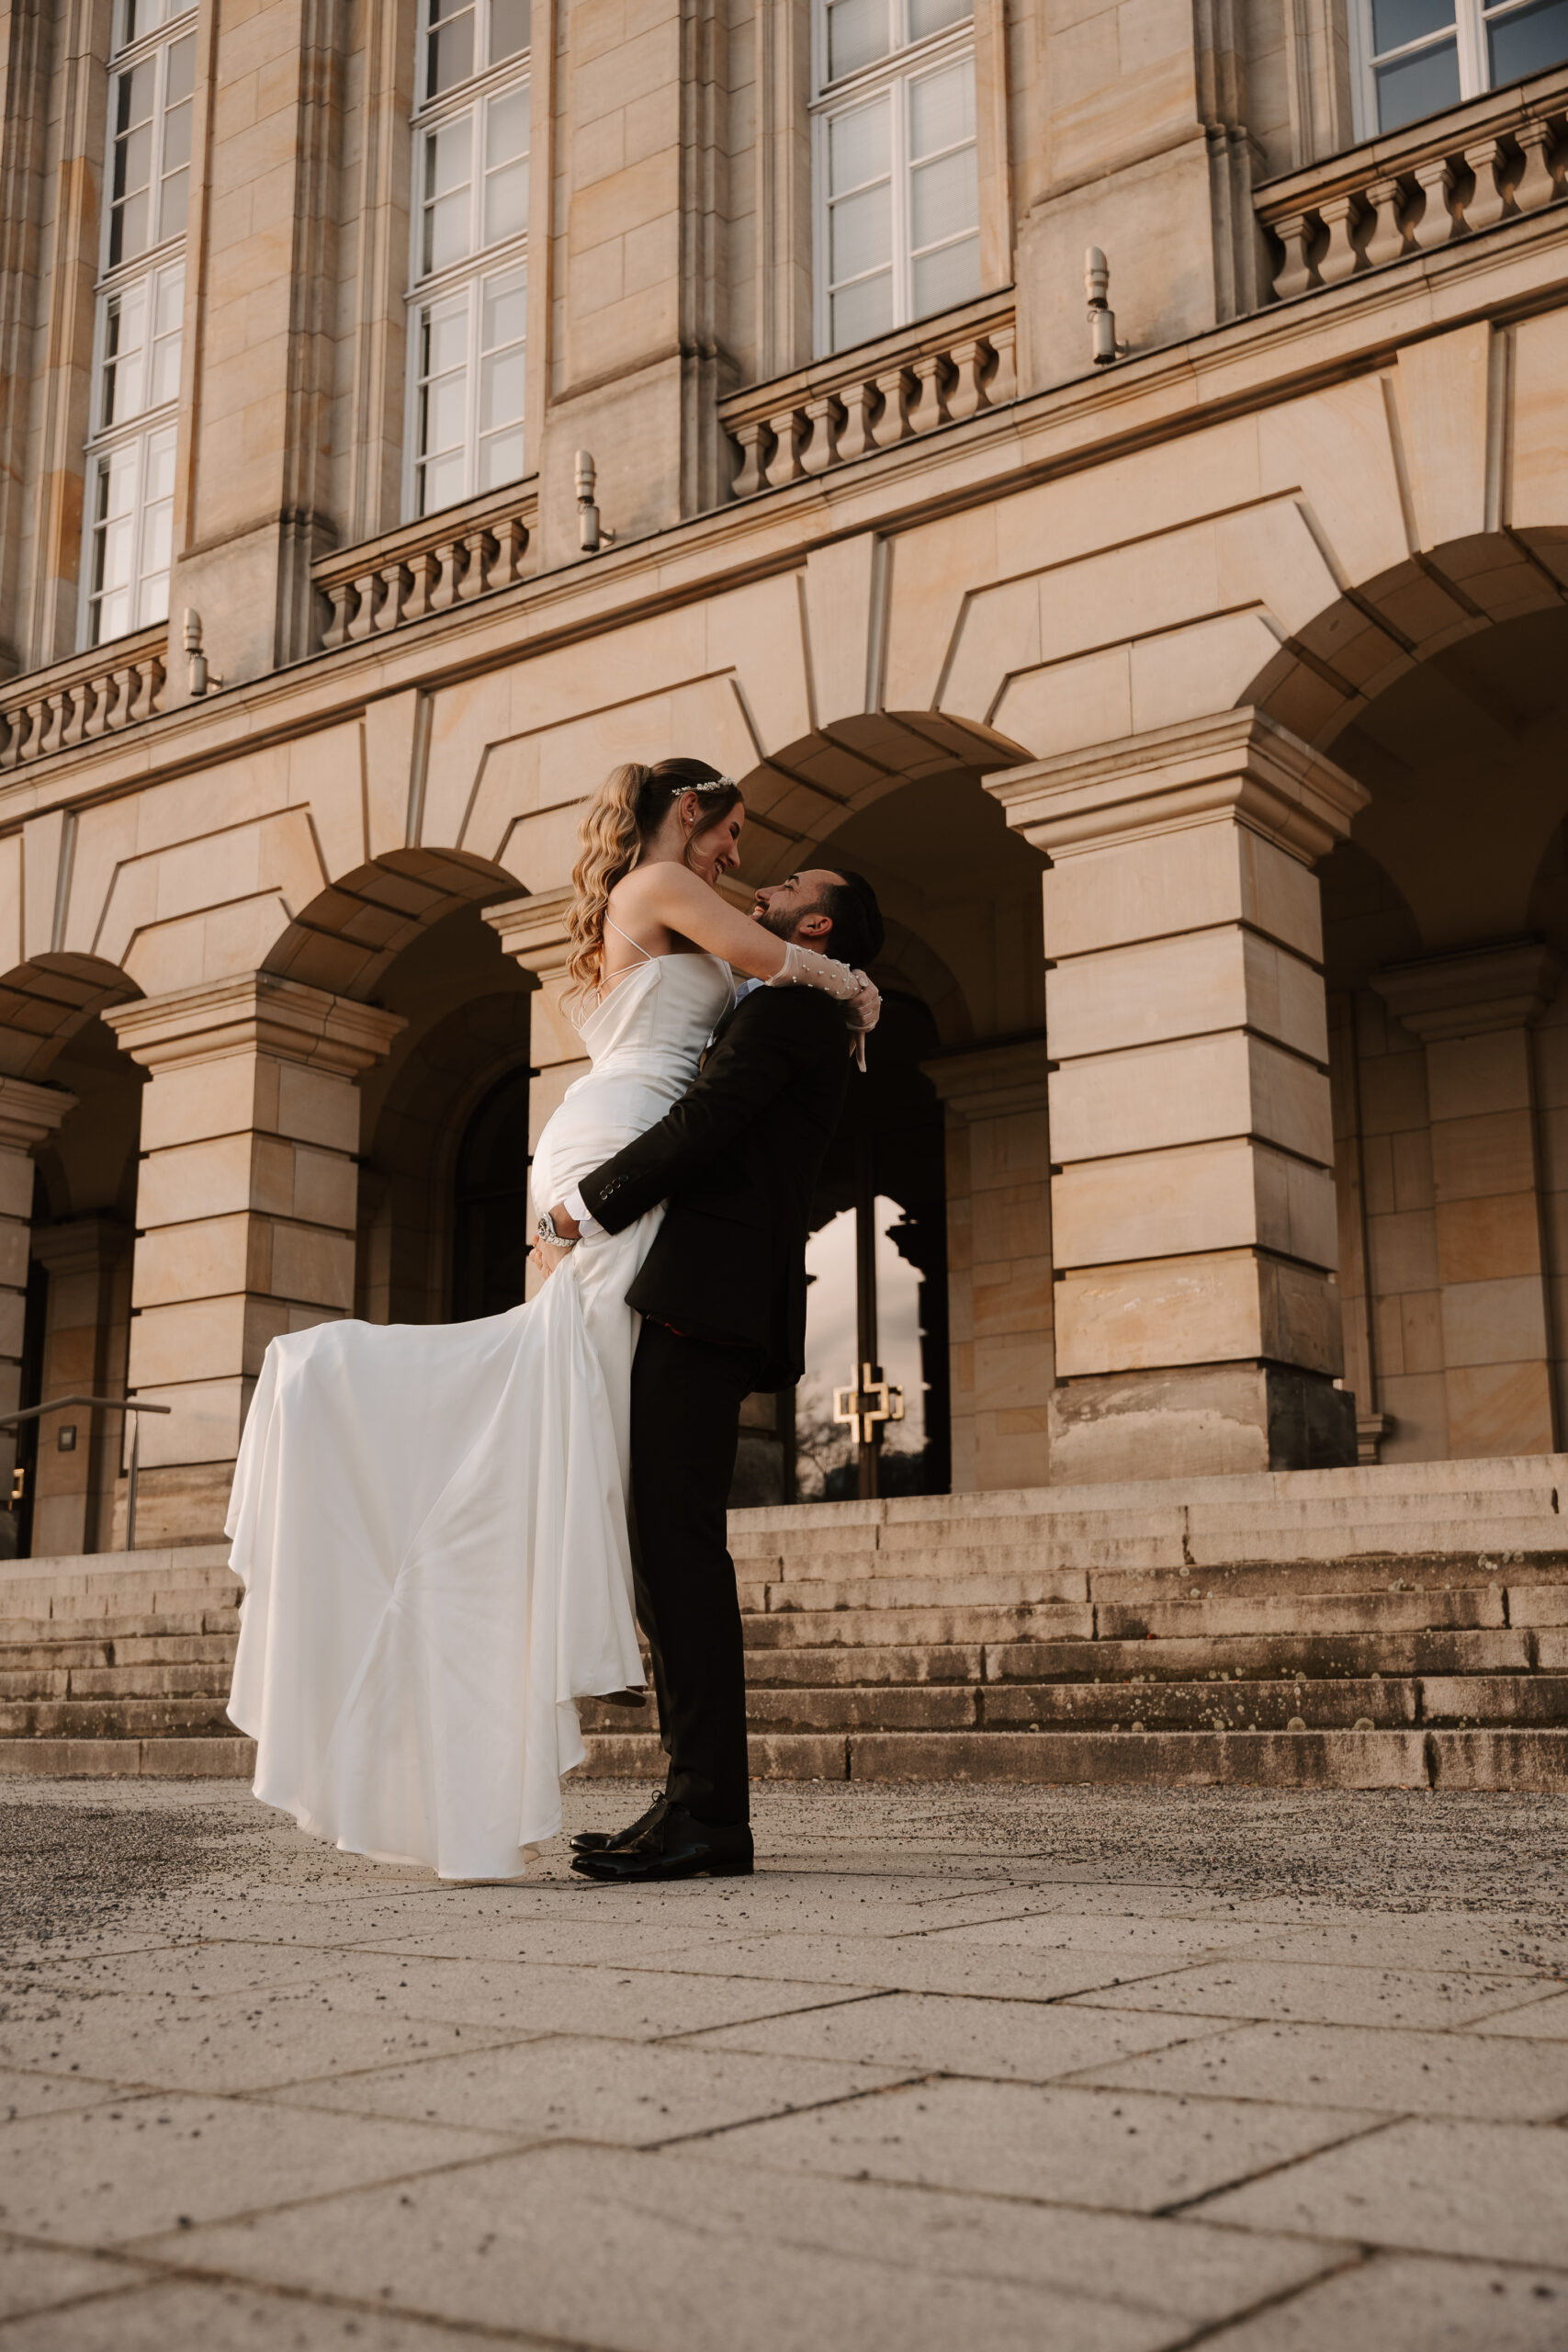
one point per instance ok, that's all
(783, 924)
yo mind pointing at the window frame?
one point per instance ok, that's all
(893, 75)
(1472, 19)
(472, 271)
(152, 421)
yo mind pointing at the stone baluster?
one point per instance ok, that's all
(148, 687)
(893, 423)
(1340, 216)
(1385, 201)
(472, 584)
(747, 439)
(75, 702)
(424, 574)
(823, 416)
(1536, 183)
(448, 570)
(1295, 233)
(123, 695)
(100, 699)
(339, 595)
(37, 720)
(966, 395)
(788, 429)
(8, 739)
(928, 408)
(1003, 384)
(1435, 224)
(394, 579)
(54, 723)
(511, 540)
(856, 438)
(1487, 203)
(364, 620)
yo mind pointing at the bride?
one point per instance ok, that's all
(429, 1521)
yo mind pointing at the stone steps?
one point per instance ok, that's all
(1339, 1629)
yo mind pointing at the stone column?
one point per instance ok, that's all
(999, 1263)
(1197, 1319)
(29, 1117)
(246, 1210)
(84, 1355)
(533, 932)
(1475, 1012)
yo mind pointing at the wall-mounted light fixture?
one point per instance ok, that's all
(590, 533)
(202, 679)
(1104, 349)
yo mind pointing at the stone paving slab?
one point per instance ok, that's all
(1105, 2069)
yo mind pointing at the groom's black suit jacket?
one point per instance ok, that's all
(737, 1159)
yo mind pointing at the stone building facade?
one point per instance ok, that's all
(1200, 716)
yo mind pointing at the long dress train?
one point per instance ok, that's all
(429, 1521)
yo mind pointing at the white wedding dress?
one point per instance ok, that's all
(429, 1521)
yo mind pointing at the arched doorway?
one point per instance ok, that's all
(490, 1225)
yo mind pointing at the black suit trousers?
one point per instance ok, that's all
(686, 1398)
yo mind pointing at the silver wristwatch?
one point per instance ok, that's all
(546, 1231)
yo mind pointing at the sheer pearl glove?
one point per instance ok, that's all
(862, 1000)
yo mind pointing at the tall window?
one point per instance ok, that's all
(469, 307)
(1420, 56)
(898, 191)
(136, 372)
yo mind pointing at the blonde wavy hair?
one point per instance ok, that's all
(623, 816)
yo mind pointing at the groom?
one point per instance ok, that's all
(722, 1295)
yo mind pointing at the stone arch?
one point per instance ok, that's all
(45, 1001)
(346, 937)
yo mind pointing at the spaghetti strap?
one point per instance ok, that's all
(646, 953)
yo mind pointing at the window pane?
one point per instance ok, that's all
(125, 330)
(1396, 23)
(858, 148)
(1421, 84)
(169, 309)
(447, 153)
(945, 279)
(506, 127)
(862, 310)
(181, 79)
(447, 225)
(505, 311)
(446, 340)
(177, 138)
(507, 151)
(112, 617)
(944, 199)
(161, 465)
(930, 16)
(860, 235)
(941, 109)
(1526, 40)
(501, 460)
(174, 207)
(440, 483)
(445, 409)
(858, 30)
(451, 50)
(501, 389)
(508, 29)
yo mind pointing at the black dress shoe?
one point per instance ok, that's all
(675, 1846)
(610, 1841)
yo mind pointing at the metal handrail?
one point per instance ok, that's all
(100, 1405)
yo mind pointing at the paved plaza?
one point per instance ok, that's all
(1097, 2071)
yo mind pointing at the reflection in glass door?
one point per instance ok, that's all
(876, 1267)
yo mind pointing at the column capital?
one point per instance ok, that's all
(81, 1245)
(256, 1012)
(1474, 992)
(533, 930)
(987, 1081)
(1238, 763)
(30, 1113)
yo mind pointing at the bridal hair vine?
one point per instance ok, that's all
(714, 784)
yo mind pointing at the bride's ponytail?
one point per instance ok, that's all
(630, 803)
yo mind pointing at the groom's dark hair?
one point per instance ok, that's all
(857, 934)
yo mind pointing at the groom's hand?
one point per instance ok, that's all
(565, 1224)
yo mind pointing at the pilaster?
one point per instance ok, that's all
(999, 1263)
(29, 1117)
(246, 1209)
(1197, 1319)
(1474, 1012)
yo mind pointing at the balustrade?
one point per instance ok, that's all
(850, 406)
(1498, 159)
(94, 693)
(447, 559)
